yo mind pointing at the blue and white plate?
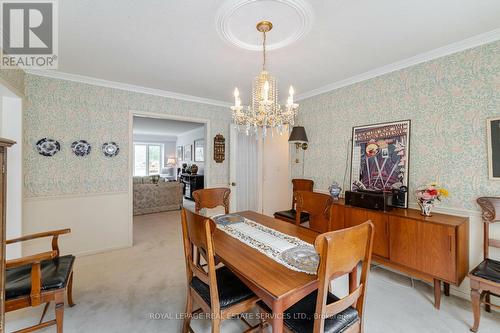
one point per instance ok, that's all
(47, 147)
(81, 148)
(110, 149)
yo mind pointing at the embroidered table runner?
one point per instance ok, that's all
(287, 250)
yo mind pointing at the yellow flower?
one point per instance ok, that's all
(444, 192)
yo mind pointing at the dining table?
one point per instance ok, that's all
(276, 285)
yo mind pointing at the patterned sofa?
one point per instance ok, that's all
(154, 198)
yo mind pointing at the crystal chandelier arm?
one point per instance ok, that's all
(264, 51)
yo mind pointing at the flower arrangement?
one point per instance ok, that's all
(426, 197)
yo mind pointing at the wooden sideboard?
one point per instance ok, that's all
(434, 249)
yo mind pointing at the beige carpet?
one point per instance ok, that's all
(128, 290)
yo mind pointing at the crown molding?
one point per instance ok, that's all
(462, 45)
(124, 86)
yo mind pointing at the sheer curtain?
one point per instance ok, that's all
(247, 172)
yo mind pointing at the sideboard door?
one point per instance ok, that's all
(356, 216)
(439, 248)
(404, 243)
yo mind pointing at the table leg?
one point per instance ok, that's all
(277, 317)
(437, 293)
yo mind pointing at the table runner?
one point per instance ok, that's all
(287, 250)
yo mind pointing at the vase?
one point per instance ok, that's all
(194, 169)
(426, 207)
(335, 190)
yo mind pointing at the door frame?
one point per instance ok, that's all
(207, 163)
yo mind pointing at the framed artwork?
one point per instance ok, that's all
(493, 131)
(380, 157)
(187, 153)
(179, 153)
(219, 148)
(199, 150)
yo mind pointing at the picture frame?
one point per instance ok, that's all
(188, 153)
(179, 153)
(380, 155)
(199, 150)
(493, 139)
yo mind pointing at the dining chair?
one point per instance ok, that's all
(318, 206)
(40, 278)
(485, 278)
(321, 311)
(290, 215)
(211, 198)
(218, 292)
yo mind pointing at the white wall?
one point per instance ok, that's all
(11, 128)
(188, 138)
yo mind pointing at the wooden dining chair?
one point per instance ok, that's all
(211, 198)
(218, 292)
(38, 279)
(291, 214)
(318, 206)
(321, 311)
(485, 278)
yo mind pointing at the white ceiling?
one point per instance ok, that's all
(175, 46)
(161, 129)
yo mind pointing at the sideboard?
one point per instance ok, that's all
(433, 249)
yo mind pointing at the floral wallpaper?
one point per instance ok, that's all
(15, 78)
(448, 101)
(69, 111)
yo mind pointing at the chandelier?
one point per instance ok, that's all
(265, 112)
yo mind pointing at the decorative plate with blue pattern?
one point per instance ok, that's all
(228, 219)
(81, 148)
(110, 149)
(47, 147)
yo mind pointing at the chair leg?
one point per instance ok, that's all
(216, 325)
(59, 299)
(487, 301)
(186, 328)
(475, 296)
(70, 291)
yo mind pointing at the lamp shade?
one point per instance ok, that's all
(298, 135)
(171, 161)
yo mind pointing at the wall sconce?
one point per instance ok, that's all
(299, 138)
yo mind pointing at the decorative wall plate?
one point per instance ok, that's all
(110, 149)
(47, 147)
(81, 148)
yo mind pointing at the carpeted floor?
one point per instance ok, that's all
(142, 289)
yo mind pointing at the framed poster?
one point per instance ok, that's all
(379, 158)
(493, 131)
(187, 153)
(179, 153)
(199, 150)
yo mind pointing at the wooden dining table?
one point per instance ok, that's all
(276, 285)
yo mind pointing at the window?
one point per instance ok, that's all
(147, 159)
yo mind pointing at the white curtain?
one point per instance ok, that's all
(247, 172)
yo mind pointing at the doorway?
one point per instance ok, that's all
(170, 158)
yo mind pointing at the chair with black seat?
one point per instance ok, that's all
(321, 311)
(485, 278)
(218, 292)
(291, 214)
(38, 279)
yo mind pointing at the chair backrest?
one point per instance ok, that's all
(301, 185)
(491, 213)
(197, 231)
(340, 253)
(318, 205)
(211, 198)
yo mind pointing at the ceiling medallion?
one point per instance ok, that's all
(264, 113)
(294, 16)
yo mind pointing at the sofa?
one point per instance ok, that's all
(154, 198)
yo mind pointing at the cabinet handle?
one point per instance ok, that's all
(450, 240)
